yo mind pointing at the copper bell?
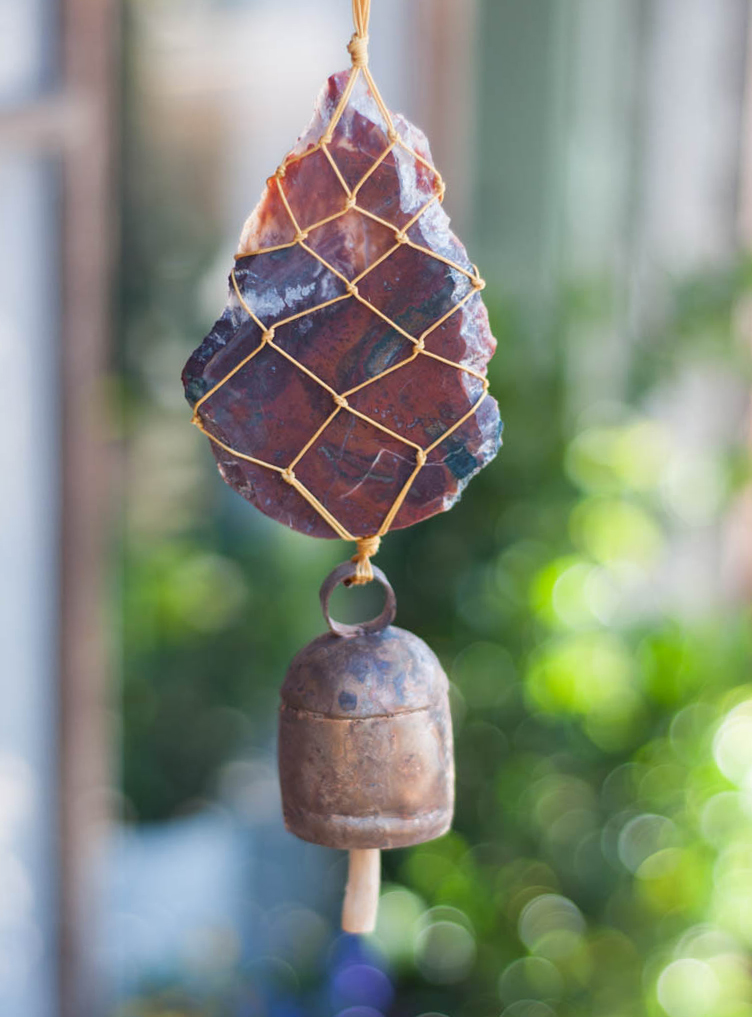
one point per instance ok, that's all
(365, 744)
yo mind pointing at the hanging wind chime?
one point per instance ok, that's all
(344, 393)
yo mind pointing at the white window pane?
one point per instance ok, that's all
(29, 454)
(26, 48)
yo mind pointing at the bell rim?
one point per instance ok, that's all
(348, 832)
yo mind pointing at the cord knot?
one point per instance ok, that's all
(341, 401)
(288, 475)
(420, 457)
(400, 236)
(358, 50)
(267, 335)
(367, 547)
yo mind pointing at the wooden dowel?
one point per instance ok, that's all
(362, 893)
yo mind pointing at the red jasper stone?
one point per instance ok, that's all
(390, 239)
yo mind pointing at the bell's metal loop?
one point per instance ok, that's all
(345, 573)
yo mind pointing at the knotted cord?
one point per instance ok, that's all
(367, 545)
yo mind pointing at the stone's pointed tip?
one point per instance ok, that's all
(351, 298)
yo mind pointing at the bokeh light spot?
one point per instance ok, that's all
(631, 456)
(642, 837)
(360, 1011)
(551, 925)
(445, 952)
(732, 745)
(362, 985)
(724, 816)
(688, 988)
(529, 1008)
(615, 531)
(582, 674)
(559, 593)
(397, 924)
(693, 486)
(530, 978)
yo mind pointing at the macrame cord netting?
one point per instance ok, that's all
(367, 545)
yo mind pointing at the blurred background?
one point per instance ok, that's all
(589, 597)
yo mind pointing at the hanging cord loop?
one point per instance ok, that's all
(358, 45)
(367, 548)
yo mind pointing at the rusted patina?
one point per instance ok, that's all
(365, 742)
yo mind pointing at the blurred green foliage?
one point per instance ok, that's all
(600, 858)
(599, 862)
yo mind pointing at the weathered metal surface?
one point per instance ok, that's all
(346, 573)
(365, 742)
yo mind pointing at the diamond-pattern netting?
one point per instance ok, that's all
(395, 240)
